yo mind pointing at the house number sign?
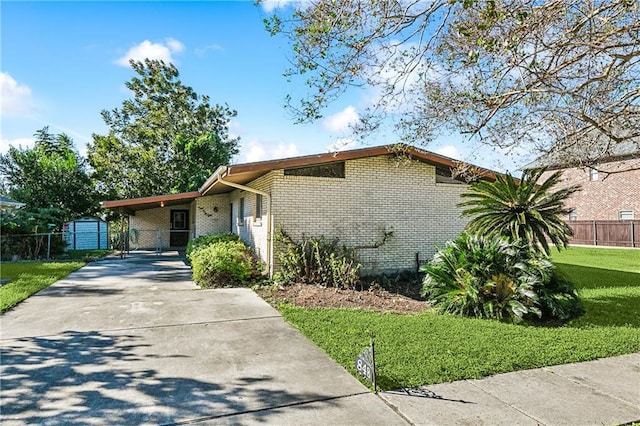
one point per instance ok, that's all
(366, 363)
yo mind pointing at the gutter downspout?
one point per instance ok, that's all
(217, 176)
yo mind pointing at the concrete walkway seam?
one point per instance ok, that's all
(539, 422)
(598, 391)
(395, 409)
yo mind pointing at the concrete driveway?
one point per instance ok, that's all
(134, 341)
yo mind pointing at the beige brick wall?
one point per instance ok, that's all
(376, 196)
(604, 198)
(251, 229)
(152, 223)
(212, 215)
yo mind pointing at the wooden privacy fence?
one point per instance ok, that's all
(617, 233)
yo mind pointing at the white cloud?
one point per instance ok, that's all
(271, 5)
(16, 143)
(174, 45)
(449, 151)
(261, 151)
(201, 51)
(342, 144)
(147, 49)
(341, 121)
(16, 98)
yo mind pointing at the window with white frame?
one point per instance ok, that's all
(626, 215)
(593, 175)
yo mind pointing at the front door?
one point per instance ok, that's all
(179, 236)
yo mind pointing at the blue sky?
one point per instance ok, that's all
(64, 62)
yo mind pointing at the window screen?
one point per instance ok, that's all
(258, 212)
(331, 170)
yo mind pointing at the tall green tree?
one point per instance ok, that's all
(522, 212)
(166, 139)
(51, 175)
(561, 76)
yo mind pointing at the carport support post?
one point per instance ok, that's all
(50, 226)
(121, 235)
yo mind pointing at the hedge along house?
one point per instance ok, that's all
(393, 208)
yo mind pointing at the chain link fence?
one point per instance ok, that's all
(14, 247)
(157, 240)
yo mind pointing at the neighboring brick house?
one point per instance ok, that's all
(391, 208)
(610, 190)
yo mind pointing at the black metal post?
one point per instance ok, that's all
(373, 361)
(121, 236)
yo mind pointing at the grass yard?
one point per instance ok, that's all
(28, 278)
(608, 280)
(430, 348)
(85, 255)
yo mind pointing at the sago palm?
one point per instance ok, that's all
(523, 211)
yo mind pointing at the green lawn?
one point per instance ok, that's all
(430, 348)
(28, 278)
(85, 255)
(608, 281)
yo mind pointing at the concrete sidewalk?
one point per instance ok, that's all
(601, 392)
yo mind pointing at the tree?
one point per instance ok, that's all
(166, 139)
(522, 212)
(556, 76)
(51, 175)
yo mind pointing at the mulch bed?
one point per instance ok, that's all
(313, 296)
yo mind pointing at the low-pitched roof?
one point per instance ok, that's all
(8, 203)
(244, 173)
(599, 154)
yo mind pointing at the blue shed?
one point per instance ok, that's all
(86, 233)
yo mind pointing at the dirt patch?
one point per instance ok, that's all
(313, 296)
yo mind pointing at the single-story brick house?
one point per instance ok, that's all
(393, 208)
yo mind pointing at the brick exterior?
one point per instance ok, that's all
(606, 197)
(212, 215)
(152, 225)
(377, 196)
(252, 229)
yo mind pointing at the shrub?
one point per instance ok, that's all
(492, 278)
(557, 297)
(24, 233)
(316, 260)
(207, 240)
(224, 264)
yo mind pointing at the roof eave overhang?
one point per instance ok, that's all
(242, 174)
(131, 205)
(245, 173)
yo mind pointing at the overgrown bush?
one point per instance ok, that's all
(492, 278)
(224, 264)
(24, 233)
(317, 260)
(207, 240)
